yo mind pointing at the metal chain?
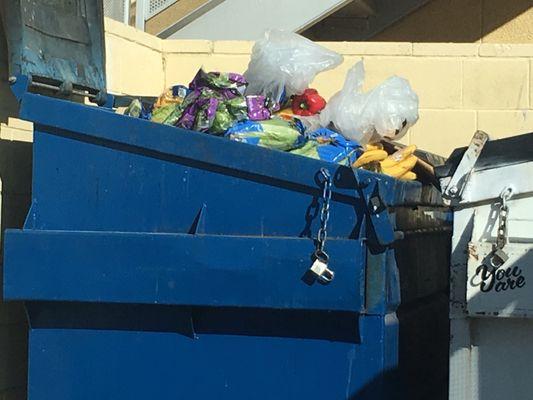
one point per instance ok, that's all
(324, 216)
(501, 237)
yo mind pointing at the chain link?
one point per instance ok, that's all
(324, 215)
(501, 237)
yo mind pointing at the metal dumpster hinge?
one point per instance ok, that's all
(320, 268)
(377, 212)
(452, 187)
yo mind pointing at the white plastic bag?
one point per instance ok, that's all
(388, 110)
(286, 61)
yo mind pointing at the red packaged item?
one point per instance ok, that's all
(307, 104)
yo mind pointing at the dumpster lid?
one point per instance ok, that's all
(56, 42)
(495, 154)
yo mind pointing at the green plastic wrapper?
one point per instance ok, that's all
(309, 149)
(167, 114)
(274, 133)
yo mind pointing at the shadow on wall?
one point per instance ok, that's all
(459, 21)
(15, 181)
(386, 386)
(15, 192)
(8, 103)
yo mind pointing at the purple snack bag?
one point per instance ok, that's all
(257, 109)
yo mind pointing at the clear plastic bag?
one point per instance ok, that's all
(286, 63)
(388, 110)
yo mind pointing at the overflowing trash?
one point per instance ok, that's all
(283, 64)
(398, 164)
(387, 111)
(271, 105)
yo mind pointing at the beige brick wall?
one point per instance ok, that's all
(462, 86)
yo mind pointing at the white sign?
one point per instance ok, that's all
(506, 290)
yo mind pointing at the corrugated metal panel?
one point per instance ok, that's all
(115, 9)
(156, 6)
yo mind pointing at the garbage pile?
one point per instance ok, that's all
(271, 105)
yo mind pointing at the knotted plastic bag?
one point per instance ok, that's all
(285, 63)
(387, 111)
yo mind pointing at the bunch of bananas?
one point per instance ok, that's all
(397, 165)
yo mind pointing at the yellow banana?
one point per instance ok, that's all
(373, 146)
(400, 168)
(398, 156)
(408, 176)
(370, 156)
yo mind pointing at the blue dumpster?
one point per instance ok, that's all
(162, 263)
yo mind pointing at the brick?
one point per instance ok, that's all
(330, 82)
(445, 49)
(506, 50)
(495, 84)
(129, 33)
(133, 69)
(20, 124)
(441, 131)
(500, 124)
(15, 134)
(12, 313)
(13, 362)
(370, 48)
(181, 68)
(233, 47)
(227, 63)
(187, 46)
(437, 81)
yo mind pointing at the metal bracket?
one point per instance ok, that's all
(21, 84)
(453, 186)
(377, 212)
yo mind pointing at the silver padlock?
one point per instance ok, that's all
(498, 258)
(321, 271)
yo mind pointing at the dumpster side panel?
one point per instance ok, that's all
(490, 349)
(88, 364)
(180, 270)
(501, 358)
(172, 264)
(131, 191)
